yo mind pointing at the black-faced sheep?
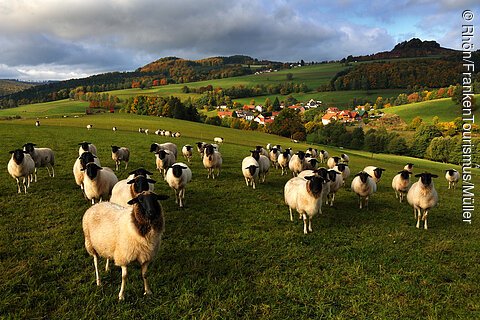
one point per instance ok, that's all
(218, 140)
(283, 161)
(452, 177)
(250, 170)
(324, 156)
(401, 184)
(297, 163)
(332, 162)
(21, 165)
(187, 152)
(263, 163)
(120, 154)
(409, 167)
(87, 146)
(273, 155)
(364, 186)
(212, 160)
(98, 182)
(127, 189)
(345, 158)
(178, 176)
(43, 157)
(164, 159)
(374, 172)
(80, 165)
(422, 196)
(125, 234)
(168, 146)
(336, 182)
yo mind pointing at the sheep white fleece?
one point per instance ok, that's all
(298, 196)
(363, 190)
(452, 179)
(110, 232)
(122, 154)
(187, 152)
(165, 163)
(296, 165)
(422, 197)
(169, 146)
(283, 161)
(123, 192)
(345, 173)
(212, 163)
(100, 187)
(334, 187)
(43, 157)
(79, 174)
(332, 162)
(179, 184)
(400, 186)
(371, 171)
(249, 178)
(264, 163)
(23, 170)
(273, 155)
(91, 148)
(324, 156)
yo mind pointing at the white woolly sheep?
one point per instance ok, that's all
(127, 189)
(332, 162)
(37, 123)
(43, 157)
(452, 177)
(345, 158)
(322, 173)
(344, 170)
(164, 159)
(408, 167)
(250, 170)
(142, 172)
(336, 182)
(168, 146)
(374, 172)
(273, 155)
(313, 152)
(125, 234)
(262, 150)
(187, 152)
(324, 156)
(283, 161)
(80, 165)
(120, 154)
(263, 163)
(212, 161)
(296, 163)
(115, 129)
(218, 140)
(98, 182)
(422, 196)
(401, 184)
(305, 195)
(87, 146)
(310, 163)
(364, 186)
(21, 165)
(89, 126)
(178, 176)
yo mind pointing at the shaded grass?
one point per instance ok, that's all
(232, 252)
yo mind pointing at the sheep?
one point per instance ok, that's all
(320, 172)
(187, 152)
(212, 160)
(345, 158)
(201, 148)
(283, 161)
(218, 140)
(154, 147)
(98, 182)
(374, 172)
(177, 178)
(176, 134)
(142, 172)
(336, 181)
(332, 162)
(141, 130)
(262, 150)
(120, 154)
(21, 165)
(250, 170)
(89, 126)
(364, 186)
(401, 184)
(313, 152)
(159, 132)
(296, 163)
(164, 160)
(324, 156)
(81, 163)
(37, 123)
(305, 195)
(167, 133)
(114, 129)
(452, 177)
(408, 167)
(127, 189)
(422, 196)
(125, 234)
(344, 170)
(310, 163)
(87, 146)
(273, 155)
(43, 157)
(263, 163)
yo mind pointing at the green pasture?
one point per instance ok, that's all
(53, 108)
(232, 253)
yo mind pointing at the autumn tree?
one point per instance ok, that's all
(287, 123)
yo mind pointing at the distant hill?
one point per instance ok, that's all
(413, 48)
(12, 86)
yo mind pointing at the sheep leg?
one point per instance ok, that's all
(53, 172)
(310, 224)
(304, 216)
(18, 185)
(35, 174)
(126, 165)
(144, 276)
(97, 274)
(181, 196)
(121, 295)
(106, 265)
(291, 215)
(425, 214)
(246, 181)
(418, 217)
(360, 201)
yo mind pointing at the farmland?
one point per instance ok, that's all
(232, 252)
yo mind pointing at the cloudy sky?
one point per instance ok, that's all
(64, 39)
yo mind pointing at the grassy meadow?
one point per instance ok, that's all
(232, 252)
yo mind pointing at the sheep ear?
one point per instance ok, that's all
(381, 169)
(11, 152)
(131, 181)
(133, 201)
(434, 176)
(418, 175)
(400, 171)
(151, 181)
(162, 197)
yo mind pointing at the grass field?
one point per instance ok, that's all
(232, 252)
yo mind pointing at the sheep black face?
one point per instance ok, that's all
(336, 160)
(161, 154)
(177, 170)
(153, 147)
(255, 154)
(363, 176)
(148, 202)
(332, 175)
(29, 147)
(209, 149)
(410, 166)
(451, 172)
(426, 178)
(341, 167)
(258, 148)
(140, 172)
(313, 162)
(286, 153)
(85, 158)
(84, 145)
(252, 168)
(189, 148)
(404, 174)
(92, 170)
(115, 148)
(140, 183)
(378, 172)
(301, 155)
(315, 184)
(274, 150)
(18, 155)
(322, 172)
